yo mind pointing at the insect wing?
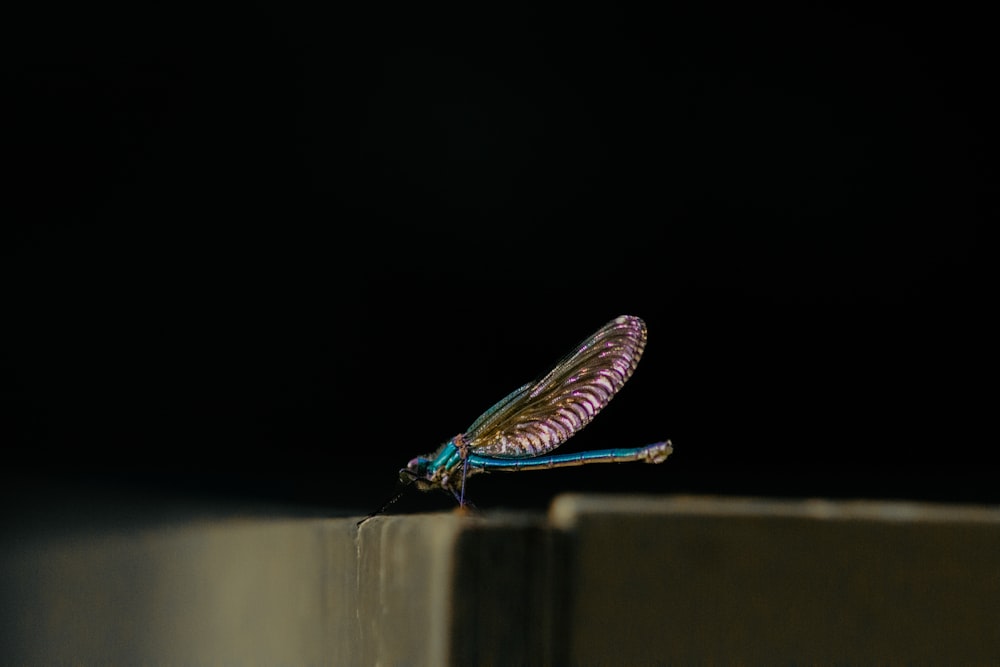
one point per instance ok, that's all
(502, 406)
(540, 416)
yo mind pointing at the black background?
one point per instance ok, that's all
(274, 252)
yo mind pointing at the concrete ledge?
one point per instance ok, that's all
(220, 592)
(600, 580)
(721, 581)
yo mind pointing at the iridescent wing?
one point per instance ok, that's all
(539, 416)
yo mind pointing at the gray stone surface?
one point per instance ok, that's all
(723, 581)
(600, 580)
(234, 592)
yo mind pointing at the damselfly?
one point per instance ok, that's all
(517, 432)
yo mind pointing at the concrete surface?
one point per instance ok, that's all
(600, 580)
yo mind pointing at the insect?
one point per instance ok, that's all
(520, 430)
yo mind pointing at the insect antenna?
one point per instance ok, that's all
(399, 494)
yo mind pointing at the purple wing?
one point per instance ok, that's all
(540, 416)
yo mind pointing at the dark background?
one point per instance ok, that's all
(270, 253)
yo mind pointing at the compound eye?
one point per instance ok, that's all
(415, 468)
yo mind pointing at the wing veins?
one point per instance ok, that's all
(539, 416)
